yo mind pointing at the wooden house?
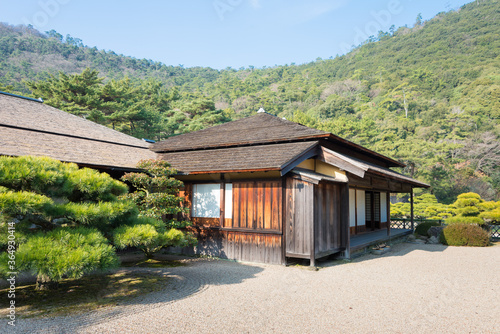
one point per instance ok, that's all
(259, 189)
(264, 189)
(30, 127)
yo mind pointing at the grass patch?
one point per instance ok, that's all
(152, 263)
(84, 294)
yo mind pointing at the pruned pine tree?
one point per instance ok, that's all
(157, 198)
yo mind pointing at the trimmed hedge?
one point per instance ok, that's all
(422, 228)
(464, 220)
(465, 235)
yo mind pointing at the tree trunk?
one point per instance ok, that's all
(149, 255)
(43, 282)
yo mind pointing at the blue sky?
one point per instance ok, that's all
(222, 33)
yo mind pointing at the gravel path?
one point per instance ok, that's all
(412, 289)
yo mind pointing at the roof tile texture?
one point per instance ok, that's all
(16, 142)
(19, 112)
(260, 128)
(262, 157)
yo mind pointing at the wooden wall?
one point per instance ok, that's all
(252, 247)
(257, 205)
(316, 218)
(327, 218)
(299, 218)
(269, 223)
(254, 233)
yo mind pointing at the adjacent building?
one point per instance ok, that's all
(259, 189)
(265, 189)
(30, 127)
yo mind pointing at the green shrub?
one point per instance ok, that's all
(465, 235)
(493, 216)
(464, 220)
(102, 215)
(90, 185)
(467, 199)
(468, 211)
(64, 252)
(51, 197)
(422, 228)
(41, 175)
(24, 203)
(148, 238)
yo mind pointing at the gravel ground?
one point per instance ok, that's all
(412, 289)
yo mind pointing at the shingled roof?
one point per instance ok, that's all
(358, 167)
(258, 129)
(261, 128)
(277, 157)
(29, 127)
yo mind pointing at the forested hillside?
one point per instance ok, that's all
(427, 95)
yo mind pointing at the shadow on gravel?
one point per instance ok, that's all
(182, 281)
(399, 249)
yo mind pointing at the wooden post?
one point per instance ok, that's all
(345, 220)
(372, 210)
(355, 212)
(222, 201)
(388, 205)
(411, 210)
(283, 219)
(310, 208)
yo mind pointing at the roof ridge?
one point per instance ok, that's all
(22, 97)
(72, 136)
(256, 129)
(9, 116)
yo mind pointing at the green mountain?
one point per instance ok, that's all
(428, 95)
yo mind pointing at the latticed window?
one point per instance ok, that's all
(372, 200)
(368, 206)
(376, 206)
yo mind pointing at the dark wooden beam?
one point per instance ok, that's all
(411, 210)
(283, 219)
(388, 204)
(310, 208)
(312, 152)
(222, 200)
(342, 162)
(249, 230)
(344, 219)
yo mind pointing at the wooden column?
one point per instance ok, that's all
(283, 219)
(388, 205)
(310, 206)
(345, 220)
(222, 200)
(372, 210)
(411, 210)
(355, 211)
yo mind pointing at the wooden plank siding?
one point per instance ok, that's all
(275, 219)
(256, 206)
(252, 247)
(300, 215)
(327, 218)
(254, 233)
(315, 225)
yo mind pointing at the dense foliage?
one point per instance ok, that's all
(428, 95)
(57, 220)
(469, 208)
(465, 235)
(50, 208)
(156, 196)
(422, 228)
